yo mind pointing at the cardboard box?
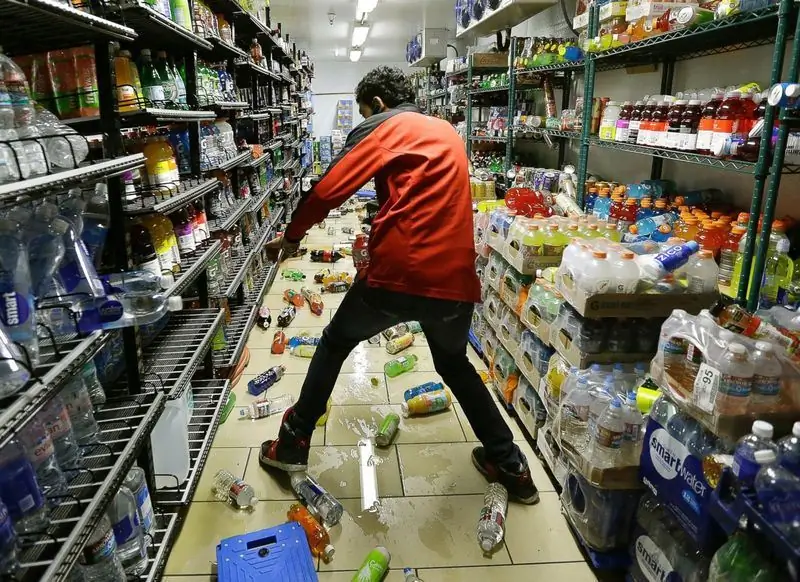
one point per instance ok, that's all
(648, 304)
(526, 368)
(525, 263)
(489, 60)
(607, 12)
(568, 349)
(530, 319)
(551, 455)
(649, 9)
(526, 405)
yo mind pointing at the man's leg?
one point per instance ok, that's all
(499, 459)
(354, 322)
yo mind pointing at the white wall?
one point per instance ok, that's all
(336, 80)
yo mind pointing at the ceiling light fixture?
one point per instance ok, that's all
(360, 33)
(365, 7)
(355, 54)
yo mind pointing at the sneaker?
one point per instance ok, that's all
(519, 484)
(289, 452)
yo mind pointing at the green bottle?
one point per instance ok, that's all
(778, 272)
(167, 77)
(152, 86)
(293, 274)
(394, 368)
(374, 566)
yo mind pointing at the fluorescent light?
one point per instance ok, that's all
(336, 52)
(355, 55)
(365, 7)
(360, 33)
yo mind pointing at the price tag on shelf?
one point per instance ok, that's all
(706, 386)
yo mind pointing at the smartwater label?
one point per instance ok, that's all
(652, 562)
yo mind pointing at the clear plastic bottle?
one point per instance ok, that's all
(745, 466)
(100, 562)
(135, 481)
(318, 539)
(128, 532)
(8, 543)
(600, 398)
(13, 375)
(608, 436)
(20, 491)
(596, 276)
(789, 450)
(55, 417)
(624, 274)
(575, 415)
(492, 520)
(608, 122)
(778, 490)
(41, 453)
(79, 407)
(766, 378)
(736, 380)
(633, 434)
(702, 273)
(16, 294)
(267, 407)
(317, 499)
(778, 271)
(728, 255)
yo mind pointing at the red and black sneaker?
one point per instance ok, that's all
(519, 484)
(289, 452)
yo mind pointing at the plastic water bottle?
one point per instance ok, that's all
(778, 491)
(702, 272)
(624, 274)
(171, 464)
(266, 407)
(92, 383)
(632, 436)
(20, 491)
(45, 238)
(128, 532)
(491, 523)
(745, 466)
(13, 375)
(736, 380)
(688, 431)
(789, 450)
(8, 542)
(608, 436)
(656, 267)
(16, 295)
(135, 298)
(41, 453)
(317, 499)
(596, 276)
(100, 560)
(65, 148)
(410, 576)
(576, 407)
(600, 398)
(228, 487)
(79, 407)
(55, 417)
(96, 220)
(137, 484)
(767, 372)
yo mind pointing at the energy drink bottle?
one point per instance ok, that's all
(265, 380)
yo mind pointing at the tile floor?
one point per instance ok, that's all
(430, 492)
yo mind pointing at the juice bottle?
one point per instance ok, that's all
(645, 210)
(645, 124)
(159, 170)
(726, 122)
(742, 219)
(591, 231)
(635, 121)
(127, 90)
(427, 402)
(168, 154)
(750, 103)
(627, 215)
(610, 232)
(690, 230)
(728, 255)
(674, 117)
(608, 122)
(710, 237)
(318, 539)
(623, 122)
(143, 251)
(689, 122)
(658, 125)
(602, 203)
(183, 230)
(615, 210)
(705, 127)
(88, 100)
(660, 207)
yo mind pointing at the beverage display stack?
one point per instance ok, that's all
(147, 153)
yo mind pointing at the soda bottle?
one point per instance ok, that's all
(374, 566)
(740, 559)
(427, 402)
(278, 342)
(688, 126)
(728, 254)
(635, 122)
(397, 366)
(335, 287)
(325, 256)
(318, 539)
(128, 532)
(293, 298)
(314, 300)
(264, 317)
(766, 378)
(491, 523)
(267, 407)
(398, 344)
(322, 276)
(705, 127)
(322, 503)
(726, 121)
(789, 450)
(645, 123)
(778, 490)
(265, 380)
(294, 274)
(671, 135)
(228, 487)
(422, 389)
(287, 316)
(387, 430)
(361, 251)
(744, 465)
(622, 131)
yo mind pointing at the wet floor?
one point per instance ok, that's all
(430, 492)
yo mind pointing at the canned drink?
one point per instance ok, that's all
(331, 230)
(387, 430)
(375, 340)
(348, 230)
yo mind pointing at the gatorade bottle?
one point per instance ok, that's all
(615, 211)
(183, 230)
(623, 122)
(627, 215)
(645, 126)
(726, 122)
(589, 199)
(674, 117)
(709, 238)
(658, 125)
(635, 121)
(143, 252)
(690, 119)
(705, 127)
(645, 210)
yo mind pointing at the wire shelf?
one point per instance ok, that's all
(489, 90)
(438, 94)
(257, 68)
(232, 162)
(159, 542)
(488, 138)
(125, 424)
(15, 193)
(555, 67)
(232, 216)
(34, 20)
(172, 359)
(243, 318)
(59, 361)
(520, 134)
(222, 50)
(258, 201)
(154, 28)
(285, 136)
(256, 116)
(161, 200)
(241, 263)
(192, 267)
(229, 105)
(209, 399)
(256, 162)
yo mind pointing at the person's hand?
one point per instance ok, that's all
(278, 244)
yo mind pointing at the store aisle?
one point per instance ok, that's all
(430, 492)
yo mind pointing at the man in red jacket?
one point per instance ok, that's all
(422, 268)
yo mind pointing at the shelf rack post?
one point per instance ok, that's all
(667, 74)
(193, 102)
(762, 166)
(565, 97)
(512, 104)
(586, 116)
(778, 155)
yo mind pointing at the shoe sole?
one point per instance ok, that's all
(532, 500)
(289, 468)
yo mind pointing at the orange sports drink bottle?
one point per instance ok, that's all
(279, 342)
(318, 539)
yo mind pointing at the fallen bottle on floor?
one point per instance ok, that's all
(398, 344)
(278, 343)
(228, 487)
(265, 380)
(318, 539)
(292, 297)
(317, 499)
(293, 274)
(410, 576)
(491, 523)
(374, 566)
(427, 402)
(397, 366)
(264, 317)
(303, 351)
(422, 389)
(287, 316)
(267, 407)
(314, 300)
(387, 430)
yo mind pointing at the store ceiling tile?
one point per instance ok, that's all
(392, 24)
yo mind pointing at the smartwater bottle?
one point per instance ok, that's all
(20, 491)
(16, 296)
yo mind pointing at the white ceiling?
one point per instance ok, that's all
(392, 23)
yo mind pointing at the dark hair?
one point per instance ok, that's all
(388, 83)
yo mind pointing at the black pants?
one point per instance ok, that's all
(366, 311)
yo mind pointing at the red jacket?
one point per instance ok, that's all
(421, 241)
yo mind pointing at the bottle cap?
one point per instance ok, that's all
(599, 254)
(765, 456)
(706, 254)
(761, 428)
(796, 429)
(327, 552)
(486, 544)
(174, 304)
(764, 347)
(627, 255)
(404, 408)
(736, 348)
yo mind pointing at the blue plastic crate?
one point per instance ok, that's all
(278, 553)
